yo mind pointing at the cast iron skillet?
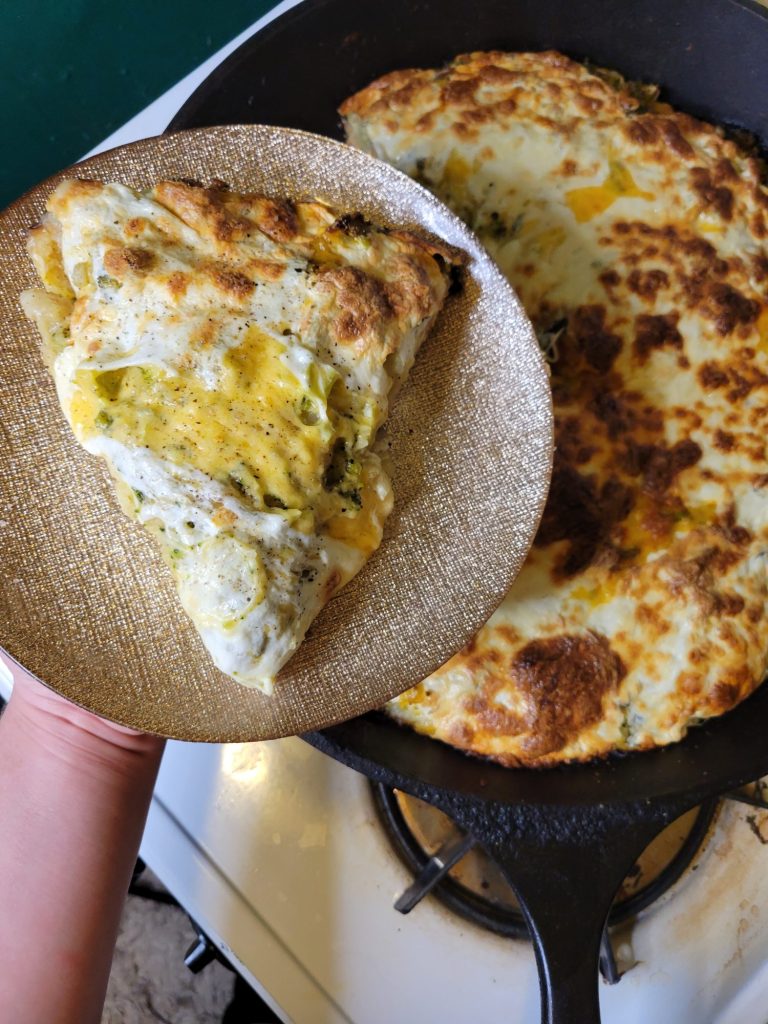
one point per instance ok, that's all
(565, 837)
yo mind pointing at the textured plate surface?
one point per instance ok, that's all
(86, 603)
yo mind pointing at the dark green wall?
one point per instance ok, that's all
(72, 71)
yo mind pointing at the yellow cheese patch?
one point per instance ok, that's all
(593, 597)
(762, 328)
(261, 431)
(586, 203)
(363, 530)
(456, 171)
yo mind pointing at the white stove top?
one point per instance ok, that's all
(275, 851)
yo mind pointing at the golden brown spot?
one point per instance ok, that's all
(582, 512)
(646, 283)
(479, 116)
(652, 332)
(587, 104)
(499, 721)
(505, 107)
(266, 269)
(660, 464)
(278, 220)
(202, 209)
(694, 579)
(565, 680)
(84, 187)
(470, 647)
(728, 308)
(482, 660)
(609, 279)
(718, 197)
(136, 226)
(409, 291)
(568, 168)
(460, 734)
(647, 613)
(724, 696)
(372, 97)
(673, 136)
(651, 129)
(464, 130)
(494, 75)
(724, 440)
(731, 530)
(648, 129)
(459, 91)
(222, 516)
(507, 633)
(177, 284)
(742, 384)
(642, 130)
(205, 336)
(755, 612)
(443, 250)
(403, 97)
(598, 345)
(231, 282)
(119, 262)
(711, 376)
(621, 413)
(724, 171)
(689, 683)
(362, 301)
(730, 604)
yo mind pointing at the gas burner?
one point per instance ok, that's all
(449, 863)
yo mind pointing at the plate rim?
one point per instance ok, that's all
(76, 169)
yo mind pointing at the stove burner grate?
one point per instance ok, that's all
(434, 849)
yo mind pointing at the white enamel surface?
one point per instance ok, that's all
(295, 834)
(294, 838)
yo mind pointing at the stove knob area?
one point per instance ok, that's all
(203, 952)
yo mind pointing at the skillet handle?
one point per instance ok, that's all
(566, 890)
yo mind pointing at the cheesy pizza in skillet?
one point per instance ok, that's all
(637, 239)
(231, 357)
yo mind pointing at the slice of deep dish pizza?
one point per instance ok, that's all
(230, 357)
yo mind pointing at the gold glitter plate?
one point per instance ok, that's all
(88, 606)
